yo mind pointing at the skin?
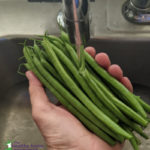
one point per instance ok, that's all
(60, 129)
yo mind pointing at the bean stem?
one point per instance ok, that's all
(144, 104)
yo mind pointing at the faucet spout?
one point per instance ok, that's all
(73, 17)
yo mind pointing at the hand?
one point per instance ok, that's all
(60, 129)
(103, 60)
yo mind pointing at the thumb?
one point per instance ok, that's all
(38, 97)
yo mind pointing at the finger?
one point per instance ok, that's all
(127, 83)
(91, 51)
(39, 99)
(118, 147)
(116, 71)
(103, 60)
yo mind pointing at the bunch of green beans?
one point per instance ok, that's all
(98, 100)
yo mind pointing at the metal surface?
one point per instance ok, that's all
(141, 3)
(73, 16)
(137, 11)
(119, 27)
(16, 17)
(16, 123)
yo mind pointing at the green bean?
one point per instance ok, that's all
(81, 59)
(72, 53)
(137, 139)
(83, 92)
(28, 59)
(46, 62)
(45, 56)
(144, 104)
(93, 73)
(28, 67)
(37, 50)
(69, 97)
(83, 98)
(116, 84)
(131, 131)
(74, 57)
(133, 140)
(55, 38)
(101, 95)
(64, 36)
(124, 108)
(134, 144)
(82, 82)
(110, 105)
(148, 119)
(51, 69)
(85, 121)
(41, 56)
(62, 47)
(77, 104)
(127, 110)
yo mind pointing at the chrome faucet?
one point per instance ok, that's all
(74, 19)
(137, 11)
(143, 4)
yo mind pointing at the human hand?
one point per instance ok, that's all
(103, 60)
(60, 129)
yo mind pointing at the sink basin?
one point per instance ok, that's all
(16, 123)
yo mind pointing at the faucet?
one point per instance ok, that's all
(74, 19)
(137, 11)
(143, 4)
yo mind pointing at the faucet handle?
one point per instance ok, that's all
(142, 4)
(137, 11)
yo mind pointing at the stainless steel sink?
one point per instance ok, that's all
(16, 123)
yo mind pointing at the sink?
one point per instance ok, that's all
(16, 123)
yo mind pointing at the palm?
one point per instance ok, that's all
(62, 130)
(57, 127)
